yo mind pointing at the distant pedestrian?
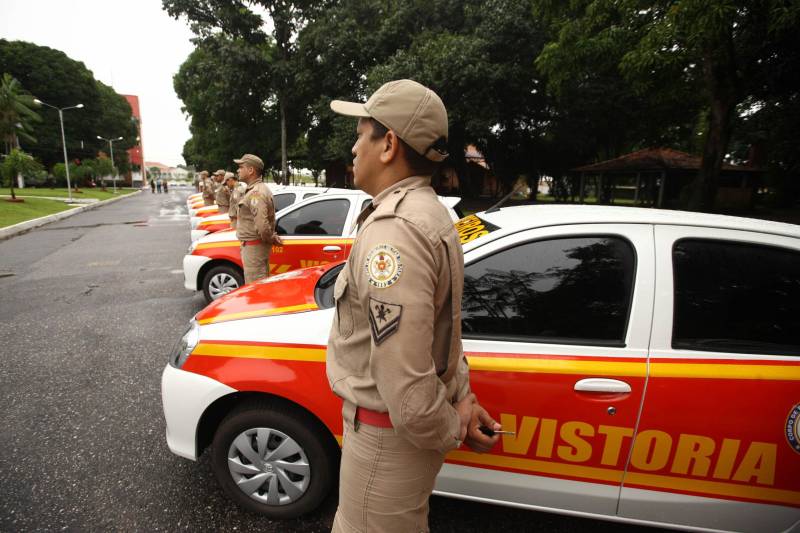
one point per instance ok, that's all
(152, 185)
(164, 185)
(158, 186)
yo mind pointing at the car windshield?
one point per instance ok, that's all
(323, 292)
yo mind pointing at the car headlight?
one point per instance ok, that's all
(192, 246)
(187, 343)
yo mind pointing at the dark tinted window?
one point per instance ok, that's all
(364, 204)
(309, 194)
(736, 297)
(283, 200)
(575, 290)
(325, 217)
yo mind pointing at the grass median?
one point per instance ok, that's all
(15, 212)
(84, 194)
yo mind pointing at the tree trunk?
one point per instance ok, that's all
(284, 166)
(721, 82)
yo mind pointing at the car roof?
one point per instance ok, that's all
(518, 218)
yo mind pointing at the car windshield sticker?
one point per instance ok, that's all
(471, 227)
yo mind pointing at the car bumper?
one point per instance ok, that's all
(185, 397)
(191, 269)
(198, 233)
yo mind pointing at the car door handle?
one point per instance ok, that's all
(602, 385)
(332, 249)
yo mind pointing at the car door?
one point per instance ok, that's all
(312, 234)
(556, 325)
(718, 444)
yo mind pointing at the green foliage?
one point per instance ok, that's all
(60, 81)
(16, 113)
(18, 162)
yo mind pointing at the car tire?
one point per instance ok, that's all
(221, 280)
(249, 458)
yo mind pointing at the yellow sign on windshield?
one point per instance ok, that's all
(471, 227)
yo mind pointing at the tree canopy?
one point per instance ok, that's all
(54, 78)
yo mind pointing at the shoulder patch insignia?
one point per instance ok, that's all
(384, 319)
(383, 266)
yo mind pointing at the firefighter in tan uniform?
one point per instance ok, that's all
(222, 194)
(237, 189)
(394, 352)
(208, 188)
(255, 219)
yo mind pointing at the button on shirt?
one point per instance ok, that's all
(255, 214)
(395, 345)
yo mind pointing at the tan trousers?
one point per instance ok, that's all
(385, 482)
(255, 260)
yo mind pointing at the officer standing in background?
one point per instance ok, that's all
(394, 353)
(209, 188)
(255, 219)
(223, 197)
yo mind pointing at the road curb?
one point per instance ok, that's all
(23, 227)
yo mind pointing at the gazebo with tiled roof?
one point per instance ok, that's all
(657, 176)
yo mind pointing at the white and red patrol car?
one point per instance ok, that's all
(315, 231)
(648, 362)
(283, 196)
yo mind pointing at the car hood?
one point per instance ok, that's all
(283, 294)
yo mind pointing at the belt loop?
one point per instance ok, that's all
(349, 413)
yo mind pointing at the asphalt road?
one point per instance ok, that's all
(89, 309)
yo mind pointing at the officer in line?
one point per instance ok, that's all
(255, 219)
(394, 353)
(208, 188)
(232, 186)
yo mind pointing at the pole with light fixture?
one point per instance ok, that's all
(111, 149)
(63, 140)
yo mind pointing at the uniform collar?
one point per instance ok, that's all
(407, 184)
(250, 186)
(390, 196)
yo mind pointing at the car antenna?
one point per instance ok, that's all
(504, 199)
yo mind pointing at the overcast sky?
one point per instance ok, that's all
(131, 45)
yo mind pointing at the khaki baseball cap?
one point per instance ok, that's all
(219, 172)
(231, 176)
(414, 112)
(204, 172)
(250, 159)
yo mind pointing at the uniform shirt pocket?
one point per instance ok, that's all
(344, 307)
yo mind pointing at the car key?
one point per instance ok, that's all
(489, 432)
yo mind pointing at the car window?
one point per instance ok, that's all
(736, 297)
(309, 195)
(573, 290)
(283, 200)
(326, 217)
(364, 204)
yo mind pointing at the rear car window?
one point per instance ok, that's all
(283, 200)
(326, 217)
(736, 297)
(574, 290)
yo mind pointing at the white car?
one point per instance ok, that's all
(648, 362)
(315, 231)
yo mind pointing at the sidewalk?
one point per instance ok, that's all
(22, 227)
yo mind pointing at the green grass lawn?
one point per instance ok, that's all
(62, 193)
(13, 213)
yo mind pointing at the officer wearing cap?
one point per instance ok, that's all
(255, 219)
(394, 352)
(234, 195)
(208, 188)
(221, 193)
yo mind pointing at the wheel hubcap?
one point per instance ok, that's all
(222, 284)
(269, 466)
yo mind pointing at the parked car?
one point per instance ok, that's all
(316, 231)
(647, 360)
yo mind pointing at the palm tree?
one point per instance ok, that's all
(16, 116)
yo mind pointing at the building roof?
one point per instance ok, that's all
(655, 159)
(161, 166)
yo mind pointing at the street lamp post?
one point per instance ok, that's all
(111, 149)
(63, 140)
